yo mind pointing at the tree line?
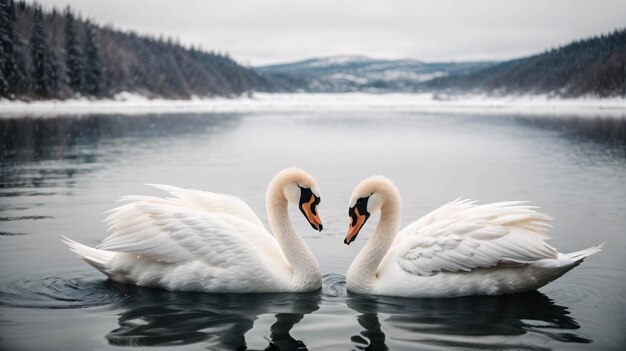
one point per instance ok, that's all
(592, 66)
(58, 54)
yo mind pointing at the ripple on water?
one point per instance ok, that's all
(589, 284)
(333, 287)
(40, 291)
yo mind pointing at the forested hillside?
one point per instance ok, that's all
(58, 54)
(594, 66)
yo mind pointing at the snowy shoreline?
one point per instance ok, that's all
(133, 104)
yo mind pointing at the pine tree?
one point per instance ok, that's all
(73, 53)
(12, 72)
(4, 57)
(93, 69)
(18, 78)
(45, 69)
(4, 88)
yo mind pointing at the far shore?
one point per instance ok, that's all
(133, 104)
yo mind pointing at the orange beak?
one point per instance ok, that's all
(310, 211)
(355, 226)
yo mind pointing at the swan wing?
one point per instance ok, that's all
(463, 236)
(170, 231)
(213, 202)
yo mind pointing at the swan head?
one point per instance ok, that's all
(301, 190)
(369, 197)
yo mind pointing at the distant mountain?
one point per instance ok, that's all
(594, 66)
(360, 73)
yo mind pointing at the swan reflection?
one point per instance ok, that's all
(157, 318)
(468, 322)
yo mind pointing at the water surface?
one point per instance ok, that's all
(58, 175)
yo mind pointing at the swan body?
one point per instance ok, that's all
(202, 241)
(458, 249)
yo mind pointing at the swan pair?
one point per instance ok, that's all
(201, 241)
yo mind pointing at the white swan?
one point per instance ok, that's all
(201, 241)
(458, 249)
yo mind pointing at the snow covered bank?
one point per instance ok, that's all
(131, 104)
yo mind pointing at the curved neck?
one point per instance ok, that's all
(304, 266)
(362, 274)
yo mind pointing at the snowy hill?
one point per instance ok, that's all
(360, 73)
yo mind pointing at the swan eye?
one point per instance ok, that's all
(305, 195)
(361, 205)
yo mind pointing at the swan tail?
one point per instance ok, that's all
(579, 256)
(565, 262)
(549, 269)
(99, 259)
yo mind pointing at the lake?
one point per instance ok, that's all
(59, 174)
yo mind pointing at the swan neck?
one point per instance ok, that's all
(362, 274)
(305, 269)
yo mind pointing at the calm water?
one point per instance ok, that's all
(58, 175)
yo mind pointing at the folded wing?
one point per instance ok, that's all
(213, 202)
(463, 236)
(173, 231)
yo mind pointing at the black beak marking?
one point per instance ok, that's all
(305, 197)
(360, 205)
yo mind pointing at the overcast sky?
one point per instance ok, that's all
(267, 31)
